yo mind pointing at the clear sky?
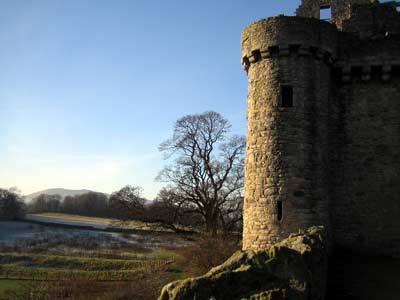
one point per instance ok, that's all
(90, 88)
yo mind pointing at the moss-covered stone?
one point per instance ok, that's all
(276, 294)
(292, 269)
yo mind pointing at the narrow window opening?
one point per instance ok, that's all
(287, 96)
(325, 13)
(280, 210)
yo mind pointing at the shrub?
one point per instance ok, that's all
(208, 252)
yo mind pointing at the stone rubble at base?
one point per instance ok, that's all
(293, 269)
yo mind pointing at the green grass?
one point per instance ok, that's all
(44, 266)
(127, 265)
(6, 285)
(66, 263)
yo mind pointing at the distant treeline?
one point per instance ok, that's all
(11, 205)
(88, 204)
(125, 204)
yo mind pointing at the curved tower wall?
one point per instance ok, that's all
(286, 164)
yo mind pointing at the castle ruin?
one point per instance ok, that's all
(323, 148)
(323, 133)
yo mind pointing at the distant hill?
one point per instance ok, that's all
(62, 192)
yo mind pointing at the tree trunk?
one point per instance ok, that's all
(211, 225)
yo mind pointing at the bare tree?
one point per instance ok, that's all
(170, 210)
(208, 169)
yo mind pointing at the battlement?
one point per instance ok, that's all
(340, 9)
(373, 21)
(366, 70)
(293, 50)
(361, 16)
(288, 36)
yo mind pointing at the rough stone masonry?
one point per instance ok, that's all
(323, 133)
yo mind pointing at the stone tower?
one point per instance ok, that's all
(323, 133)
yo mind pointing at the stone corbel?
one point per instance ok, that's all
(265, 54)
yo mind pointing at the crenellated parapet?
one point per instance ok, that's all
(283, 31)
(293, 50)
(288, 36)
(366, 70)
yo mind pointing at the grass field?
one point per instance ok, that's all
(6, 285)
(97, 265)
(71, 263)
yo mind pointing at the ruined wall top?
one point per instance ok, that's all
(341, 10)
(374, 21)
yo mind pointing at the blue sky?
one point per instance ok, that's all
(90, 88)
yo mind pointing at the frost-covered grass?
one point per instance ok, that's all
(75, 217)
(90, 222)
